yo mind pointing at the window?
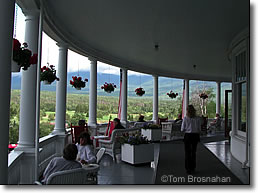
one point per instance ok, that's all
(240, 81)
(242, 107)
(241, 67)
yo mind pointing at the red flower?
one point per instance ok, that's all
(47, 69)
(51, 66)
(102, 87)
(79, 78)
(44, 67)
(34, 59)
(16, 44)
(86, 80)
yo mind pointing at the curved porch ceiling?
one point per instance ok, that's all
(124, 33)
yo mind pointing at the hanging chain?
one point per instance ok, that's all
(15, 20)
(78, 68)
(172, 83)
(109, 73)
(140, 80)
(48, 52)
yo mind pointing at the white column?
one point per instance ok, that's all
(93, 93)
(124, 97)
(61, 87)
(155, 99)
(6, 23)
(28, 87)
(186, 99)
(218, 97)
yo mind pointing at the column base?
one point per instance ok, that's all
(155, 121)
(59, 132)
(124, 123)
(92, 124)
(25, 148)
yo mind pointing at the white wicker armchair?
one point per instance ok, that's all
(112, 146)
(74, 176)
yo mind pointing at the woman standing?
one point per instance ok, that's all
(192, 127)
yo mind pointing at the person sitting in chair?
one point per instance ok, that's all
(215, 123)
(85, 149)
(179, 118)
(67, 162)
(118, 124)
(141, 119)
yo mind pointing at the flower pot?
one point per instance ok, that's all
(152, 134)
(137, 154)
(78, 88)
(15, 67)
(45, 82)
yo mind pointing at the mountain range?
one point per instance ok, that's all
(134, 81)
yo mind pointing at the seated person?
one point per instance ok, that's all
(67, 162)
(141, 118)
(118, 124)
(216, 122)
(85, 149)
(179, 118)
(82, 123)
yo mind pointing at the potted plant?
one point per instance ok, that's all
(136, 149)
(139, 91)
(48, 74)
(22, 56)
(203, 96)
(108, 87)
(78, 83)
(172, 95)
(152, 132)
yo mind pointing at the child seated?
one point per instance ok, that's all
(85, 149)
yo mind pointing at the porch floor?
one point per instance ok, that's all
(221, 149)
(123, 173)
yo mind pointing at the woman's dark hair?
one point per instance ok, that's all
(70, 152)
(117, 120)
(141, 118)
(191, 112)
(86, 136)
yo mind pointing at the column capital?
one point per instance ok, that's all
(92, 59)
(155, 76)
(124, 68)
(62, 45)
(30, 13)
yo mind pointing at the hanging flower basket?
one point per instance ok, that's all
(203, 96)
(108, 87)
(172, 95)
(22, 57)
(139, 91)
(78, 83)
(48, 74)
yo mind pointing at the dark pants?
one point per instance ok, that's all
(191, 140)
